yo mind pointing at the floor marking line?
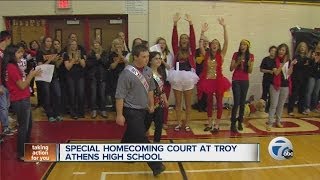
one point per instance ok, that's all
(103, 174)
(253, 168)
(139, 172)
(79, 173)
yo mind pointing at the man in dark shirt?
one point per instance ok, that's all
(134, 97)
(266, 68)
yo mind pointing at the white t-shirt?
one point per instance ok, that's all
(23, 66)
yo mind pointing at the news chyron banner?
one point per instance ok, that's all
(143, 152)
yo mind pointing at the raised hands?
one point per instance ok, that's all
(188, 18)
(201, 43)
(221, 21)
(176, 17)
(204, 27)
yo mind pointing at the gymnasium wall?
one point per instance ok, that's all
(264, 24)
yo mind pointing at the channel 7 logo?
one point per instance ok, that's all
(280, 148)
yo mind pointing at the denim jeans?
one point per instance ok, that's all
(312, 93)
(76, 94)
(98, 86)
(65, 99)
(22, 108)
(4, 107)
(40, 96)
(239, 89)
(277, 101)
(52, 98)
(299, 91)
(266, 93)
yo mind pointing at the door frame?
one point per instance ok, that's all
(8, 21)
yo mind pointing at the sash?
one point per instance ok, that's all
(159, 81)
(138, 74)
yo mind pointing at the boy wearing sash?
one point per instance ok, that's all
(134, 98)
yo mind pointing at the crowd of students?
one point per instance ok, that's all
(82, 78)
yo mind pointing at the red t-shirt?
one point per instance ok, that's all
(14, 75)
(239, 73)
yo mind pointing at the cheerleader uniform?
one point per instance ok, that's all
(212, 82)
(183, 76)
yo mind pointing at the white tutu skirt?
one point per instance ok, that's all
(182, 78)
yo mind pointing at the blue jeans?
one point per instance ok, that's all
(4, 107)
(100, 102)
(22, 108)
(76, 94)
(239, 90)
(52, 98)
(312, 93)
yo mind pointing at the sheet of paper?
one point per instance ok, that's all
(156, 48)
(47, 72)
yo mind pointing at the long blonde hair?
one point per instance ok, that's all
(299, 46)
(99, 50)
(70, 52)
(116, 42)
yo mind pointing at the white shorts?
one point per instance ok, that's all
(182, 80)
(181, 87)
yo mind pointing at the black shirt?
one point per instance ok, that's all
(314, 69)
(77, 71)
(114, 73)
(300, 70)
(268, 64)
(199, 67)
(81, 48)
(97, 68)
(184, 65)
(40, 59)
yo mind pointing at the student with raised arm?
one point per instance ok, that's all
(241, 65)
(212, 82)
(183, 77)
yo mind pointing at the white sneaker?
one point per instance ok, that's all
(307, 110)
